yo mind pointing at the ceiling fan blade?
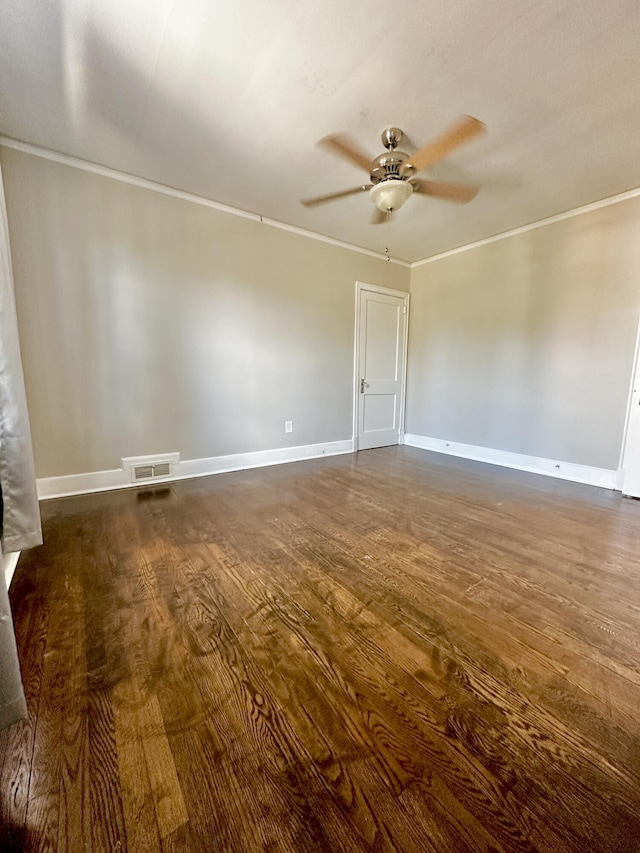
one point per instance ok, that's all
(380, 217)
(452, 138)
(454, 192)
(320, 199)
(345, 147)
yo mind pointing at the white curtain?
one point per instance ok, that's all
(21, 516)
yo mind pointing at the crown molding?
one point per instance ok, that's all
(153, 186)
(540, 223)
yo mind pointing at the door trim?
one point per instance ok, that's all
(633, 399)
(387, 291)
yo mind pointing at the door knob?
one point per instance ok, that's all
(363, 385)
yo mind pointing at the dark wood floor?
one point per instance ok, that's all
(389, 651)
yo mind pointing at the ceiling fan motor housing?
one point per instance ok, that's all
(392, 164)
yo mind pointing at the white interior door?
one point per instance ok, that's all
(381, 356)
(631, 460)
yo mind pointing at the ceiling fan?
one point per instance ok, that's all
(392, 175)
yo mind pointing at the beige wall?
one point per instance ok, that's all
(150, 324)
(526, 344)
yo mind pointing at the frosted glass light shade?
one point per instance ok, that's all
(390, 194)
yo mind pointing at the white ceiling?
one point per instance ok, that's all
(227, 98)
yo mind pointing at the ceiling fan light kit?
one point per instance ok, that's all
(392, 174)
(391, 194)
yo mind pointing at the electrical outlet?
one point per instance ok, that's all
(288, 426)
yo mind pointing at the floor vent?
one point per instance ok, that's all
(148, 472)
(145, 468)
(142, 472)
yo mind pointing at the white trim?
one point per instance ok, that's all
(103, 481)
(83, 484)
(634, 391)
(603, 477)
(10, 561)
(341, 244)
(540, 223)
(376, 288)
(153, 186)
(387, 291)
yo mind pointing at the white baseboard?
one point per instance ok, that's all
(9, 563)
(102, 481)
(607, 479)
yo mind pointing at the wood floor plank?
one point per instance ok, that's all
(138, 802)
(43, 824)
(107, 817)
(74, 826)
(137, 710)
(46, 761)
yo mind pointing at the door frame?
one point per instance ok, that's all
(387, 291)
(633, 400)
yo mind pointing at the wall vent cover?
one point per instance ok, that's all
(142, 472)
(144, 468)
